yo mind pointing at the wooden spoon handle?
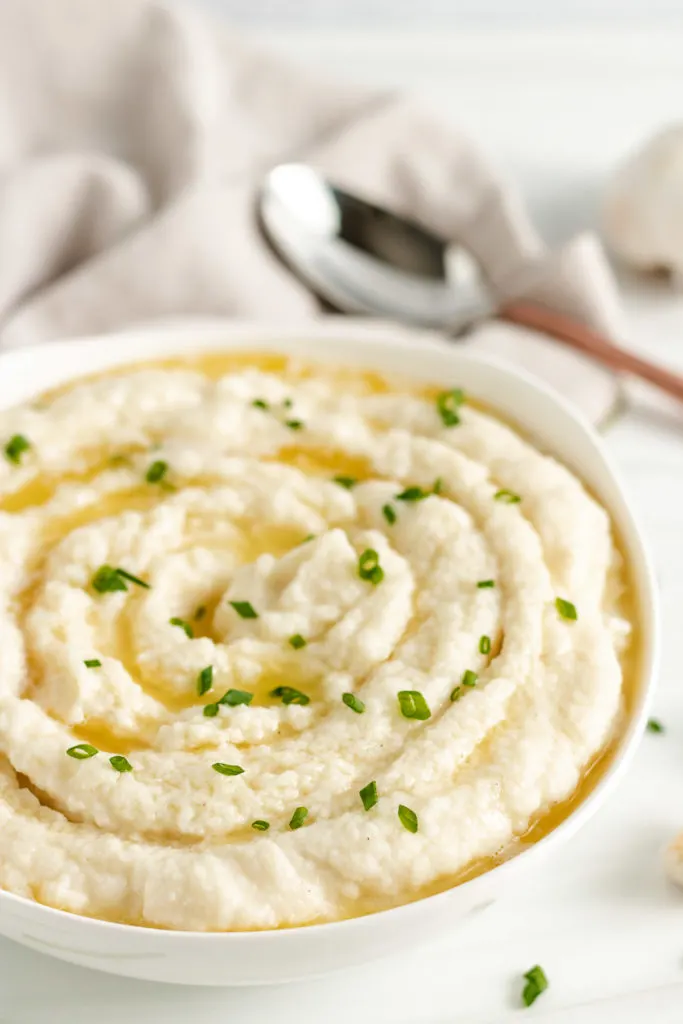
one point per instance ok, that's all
(591, 343)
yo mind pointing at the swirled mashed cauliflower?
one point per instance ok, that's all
(280, 646)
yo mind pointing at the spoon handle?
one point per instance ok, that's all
(591, 343)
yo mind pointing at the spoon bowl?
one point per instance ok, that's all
(363, 259)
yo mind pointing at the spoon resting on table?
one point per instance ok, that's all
(364, 259)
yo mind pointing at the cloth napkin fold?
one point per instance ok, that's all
(133, 140)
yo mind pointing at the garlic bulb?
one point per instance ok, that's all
(643, 210)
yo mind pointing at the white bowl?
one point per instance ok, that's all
(278, 956)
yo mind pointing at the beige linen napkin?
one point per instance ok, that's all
(133, 138)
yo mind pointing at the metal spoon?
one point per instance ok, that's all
(364, 259)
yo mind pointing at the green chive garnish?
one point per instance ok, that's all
(156, 472)
(447, 404)
(456, 694)
(566, 609)
(369, 567)
(297, 641)
(438, 486)
(368, 795)
(200, 613)
(294, 424)
(654, 725)
(15, 448)
(120, 763)
(412, 494)
(486, 584)
(469, 678)
(353, 702)
(311, 536)
(260, 826)
(298, 818)
(288, 695)
(205, 680)
(413, 705)
(407, 818)
(345, 481)
(235, 697)
(133, 579)
(107, 579)
(536, 982)
(389, 514)
(507, 497)
(182, 624)
(227, 769)
(287, 402)
(485, 645)
(260, 403)
(244, 609)
(92, 663)
(210, 710)
(82, 751)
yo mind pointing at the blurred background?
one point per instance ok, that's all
(434, 13)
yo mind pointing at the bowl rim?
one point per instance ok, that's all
(195, 336)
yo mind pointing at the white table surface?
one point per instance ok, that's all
(557, 112)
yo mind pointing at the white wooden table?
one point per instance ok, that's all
(556, 112)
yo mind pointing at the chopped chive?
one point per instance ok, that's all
(412, 494)
(227, 769)
(536, 982)
(294, 424)
(438, 486)
(107, 579)
(287, 402)
(244, 609)
(205, 680)
(654, 725)
(413, 705)
(368, 795)
(369, 567)
(311, 536)
(447, 404)
(260, 826)
(235, 697)
(507, 497)
(156, 472)
(486, 584)
(353, 702)
(297, 641)
(200, 613)
(407, 818)
(133, 579)
(345, 481)
(92, 663)
(389, 514)
(210, 710)
(260, 403)
(15, 448)
(566, 609)
(298, 818)
(456, 694)
(182, 624)
(120, 763)
(82, 751)
(469, 678)
(288, 695)
(485, 645)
